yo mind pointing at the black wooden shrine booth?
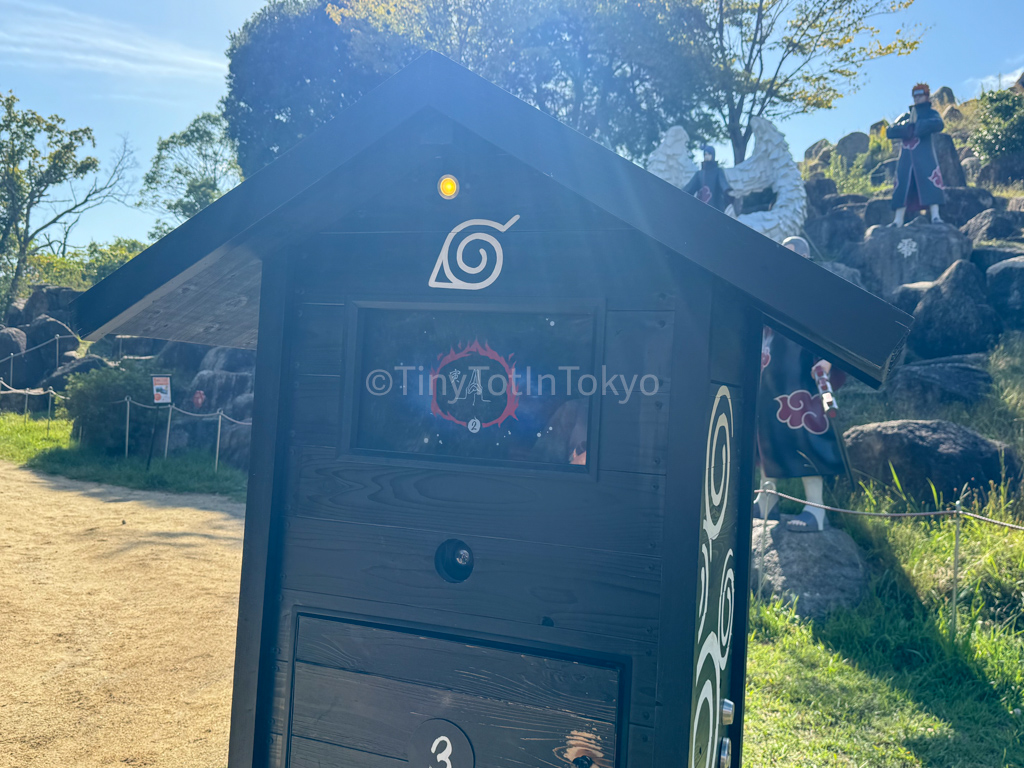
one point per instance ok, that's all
(559, 575)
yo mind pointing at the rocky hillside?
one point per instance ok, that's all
(222, 377)
(962, 280)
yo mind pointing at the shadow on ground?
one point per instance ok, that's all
(892, 636)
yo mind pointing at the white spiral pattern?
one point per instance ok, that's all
(444, 262)
(726, 603)
(714, 642)
(716, 494)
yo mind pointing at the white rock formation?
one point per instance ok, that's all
(671, 161)
(771, 165)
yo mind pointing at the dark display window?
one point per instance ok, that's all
(476, 385)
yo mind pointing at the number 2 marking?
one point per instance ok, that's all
(442, 759)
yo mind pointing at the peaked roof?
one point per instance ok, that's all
(187, 285)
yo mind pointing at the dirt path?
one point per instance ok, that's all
(117, 624)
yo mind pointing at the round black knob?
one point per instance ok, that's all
(583, 761)
(454, 561)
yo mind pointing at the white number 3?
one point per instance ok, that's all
(442, 759)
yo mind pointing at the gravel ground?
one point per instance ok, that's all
(117, 624)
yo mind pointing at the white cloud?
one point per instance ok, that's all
(1014, 69)
(44, 36)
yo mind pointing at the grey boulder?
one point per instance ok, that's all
(817, 190)
(43, 332)
(52, 300)
(922, 389)
(1006, 290)
(909, 295)
(878, 211)
(985, 256)
(12, 369)
(229, 359)
(835, 229)
(58, 380)
(947, 454)
(949, 161)
(890, 257)
(964, 203)
(953, 318)
(181, 357)
(819, 572)
(884, 172)
(994, 225)
(220, 388)
(851, 145)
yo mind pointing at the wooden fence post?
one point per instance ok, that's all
(127, 421)
(167, 437)
(216, 455)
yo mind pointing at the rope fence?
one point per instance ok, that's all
(55, 340)
(958, 513)
(171, 410)
(7, 390)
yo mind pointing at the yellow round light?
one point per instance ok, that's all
(448, 186)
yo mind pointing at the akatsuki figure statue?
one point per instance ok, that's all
(795, 437)
(918, 177)
(709, 184)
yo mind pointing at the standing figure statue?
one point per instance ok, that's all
(795, 437)
(709, 184)
(771, 164)
(918, 178)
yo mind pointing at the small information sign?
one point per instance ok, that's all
(162, 390)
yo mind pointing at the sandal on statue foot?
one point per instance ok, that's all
(805, 522)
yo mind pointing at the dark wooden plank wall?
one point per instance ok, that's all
(357, 534)
(736, 332)
(530, 679)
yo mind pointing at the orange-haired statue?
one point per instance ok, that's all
(918, 178)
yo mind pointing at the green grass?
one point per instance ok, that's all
(1011, 190)
(22, 439)
(26, 442)
(877, 686)
(883, 684)
(886, 683)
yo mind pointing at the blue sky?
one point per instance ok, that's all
(145, 69)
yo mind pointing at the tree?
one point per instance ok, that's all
(613, 71)
(82, 269)
(778, 58)
(45, 187)
(1000, 125)
(190, 170)
(291, 69)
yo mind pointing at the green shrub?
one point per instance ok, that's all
(880, 149)
(1000, 125)
(96, 405)
(851, 180)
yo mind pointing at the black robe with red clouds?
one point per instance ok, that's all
(794, 436)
